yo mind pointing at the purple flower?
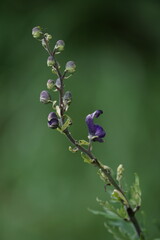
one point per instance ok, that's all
(52, 120)
(45, 97)
(96, 132)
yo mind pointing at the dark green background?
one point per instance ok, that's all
(44, 189)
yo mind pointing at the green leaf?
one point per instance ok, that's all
(108, 214)
(103, 177)
(117, 195)
(108, 208)
(73, 150)
(120, 171)
(135, 192)
(59, 130)
(67, 123)
(86, 158)
(54, 104)
(118, 232)
(122, 213)
(83, 142)
(58, 111)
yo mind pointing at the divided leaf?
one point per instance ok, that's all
(73, 150)
(117, 232)
(86, 158)
(135, 192)
(67, 123)
(83, 142)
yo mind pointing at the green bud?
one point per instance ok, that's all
(54, 70)
(37, 32)
(50, 61)
(48, 36)
(50, 84)
(70, 67)
(60, 45)
(44, 43)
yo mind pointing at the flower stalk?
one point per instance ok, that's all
(96, 132)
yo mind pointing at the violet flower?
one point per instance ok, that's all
(45, 97)
(96, 132)
(52, 120)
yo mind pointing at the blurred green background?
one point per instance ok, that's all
(44, 189)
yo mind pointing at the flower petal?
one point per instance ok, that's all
(99, 131)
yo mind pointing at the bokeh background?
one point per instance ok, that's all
(45, 190)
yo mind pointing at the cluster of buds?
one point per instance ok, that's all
(55, 118)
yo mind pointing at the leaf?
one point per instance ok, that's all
(67, 123)
(117, 195)
(109, 209)
(108, 214)
(83, 142)
(59, 130)
(120, 171)
(54, 104)
(122, 213)
(86, 158)
(135, 192)
(103, 177)
(73, 150)
(117, 232)
(58, 111)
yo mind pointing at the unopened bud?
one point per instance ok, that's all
(52, 120)
(48, 36)
(58, 83)
(50, 61)
(67, 98)
(50, 84)
(60, 45)
(45, 97)
(44, 43)
(70, 67)
(37, 32)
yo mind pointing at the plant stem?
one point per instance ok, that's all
(95, 162)
(107, 173)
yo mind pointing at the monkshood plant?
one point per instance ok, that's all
(123, 204)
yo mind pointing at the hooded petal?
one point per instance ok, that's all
(96, 132)
(52, 120)
(90, 124)
(100, 131)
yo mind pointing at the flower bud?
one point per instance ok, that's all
(50, 61)
(58, 83)
(48, 36)
(52, 120)
(50, 84)
(45, 97)
(44, 43)
(67, 98)
(60, 45)
(37, 32)
(70, 67)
